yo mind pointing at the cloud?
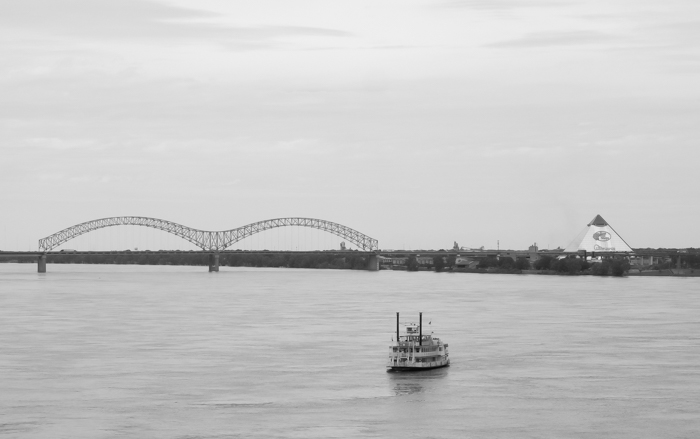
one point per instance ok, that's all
(63, 144)
(679, 33)
(548, 39)
(496, 5)
(519, 151)
(138, 20)
(298, 146)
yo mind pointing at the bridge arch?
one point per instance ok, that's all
(208, 240)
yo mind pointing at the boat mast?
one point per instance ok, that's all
(420, 330)
(397, 329)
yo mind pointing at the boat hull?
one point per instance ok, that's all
(414, 368)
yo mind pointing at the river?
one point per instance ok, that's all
(101, 351)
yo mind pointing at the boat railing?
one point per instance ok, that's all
(418, 349)
(403, 344)
(418, 355)
(426, 364)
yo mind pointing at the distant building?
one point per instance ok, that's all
(648, 261)
(598, 237)
(424, 260)
(532, 253)
(466, 262)
(391, 261)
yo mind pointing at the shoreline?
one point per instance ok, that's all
(668, 272)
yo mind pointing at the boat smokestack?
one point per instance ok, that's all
(397, 329)
(420, 329)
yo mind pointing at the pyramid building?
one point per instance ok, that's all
(598, 236)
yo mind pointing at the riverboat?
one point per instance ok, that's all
(415, 351)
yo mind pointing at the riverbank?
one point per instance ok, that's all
(684, 272)
(632, 272)
(346, 262)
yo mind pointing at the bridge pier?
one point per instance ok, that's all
(373, 263)
(41, 266)
(213, 262)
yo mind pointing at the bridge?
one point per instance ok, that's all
(213, 244)
(210, 242)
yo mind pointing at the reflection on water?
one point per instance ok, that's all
(407, 388)
(408, 383)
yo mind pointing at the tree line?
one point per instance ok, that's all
(569, 265)
(572, 265)
(347, 261)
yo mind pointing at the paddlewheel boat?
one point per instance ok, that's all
(415, 351)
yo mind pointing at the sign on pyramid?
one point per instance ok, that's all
(598, 236)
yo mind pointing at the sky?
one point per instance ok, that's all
(419, 123)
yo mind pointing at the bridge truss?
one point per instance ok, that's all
(206, 240)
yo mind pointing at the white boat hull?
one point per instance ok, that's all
(412, 366)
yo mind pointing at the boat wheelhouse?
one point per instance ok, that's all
(414, 350)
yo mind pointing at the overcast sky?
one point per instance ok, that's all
(416, 122)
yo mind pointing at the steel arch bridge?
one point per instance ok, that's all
(206, 240)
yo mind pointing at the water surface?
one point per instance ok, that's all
(89, 351)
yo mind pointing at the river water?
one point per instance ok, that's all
(89, 351)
